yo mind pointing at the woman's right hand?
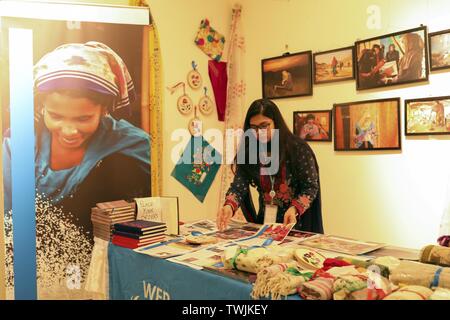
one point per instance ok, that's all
(223, 217)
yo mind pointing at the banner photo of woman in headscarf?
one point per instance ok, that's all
(89, 145)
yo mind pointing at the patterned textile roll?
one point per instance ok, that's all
(410, 293)
(343, 286)
(435, 255)
(279, 280)
(421, 274)
(318, 289)
(383, 270)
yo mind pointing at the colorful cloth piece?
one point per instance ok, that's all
(435, 255)
(197, 167)
(318, 289)
(381, 269)
(410, 293)
(92, 66)
(210, 41)
(343, 286)
(444, 241)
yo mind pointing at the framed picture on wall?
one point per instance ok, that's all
(367, 125)
(334, 65)
(313, 125)
(392, 59)
(439, 50)
(427, 116)
(286, 76)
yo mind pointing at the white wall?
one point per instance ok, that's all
(392, 197)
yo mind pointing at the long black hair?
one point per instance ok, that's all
(270, 110)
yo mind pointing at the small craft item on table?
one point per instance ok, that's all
(421, 274)
(210, 41)
(373, 291)
(254, 259)
(194, 78)
(200, 239)
(389, 262)
(309, 259)
(318, 289)
(410, 293)
(345, 285)
(197, 167)
(279, 280)
(369, 265)
(343, 245)
(273, 233)
(435, 255)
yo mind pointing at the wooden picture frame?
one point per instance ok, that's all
(367, 125)
(287, 76)
(378, 66)
(439, 42)
(334, 65)
(427, 116)
(313, 125)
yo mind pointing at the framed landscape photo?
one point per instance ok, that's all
(427, 116)
(367, 125)
(313, 125)
(287, 76)
(392, 59)
(439, 43)
(334, 65)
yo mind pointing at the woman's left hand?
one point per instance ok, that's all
(290, 216)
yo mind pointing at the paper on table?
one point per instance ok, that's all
(203, 226)
(268, 234)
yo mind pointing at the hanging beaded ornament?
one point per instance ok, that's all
(194, 78)
(184, 102)
(195, 125)
(205, 104)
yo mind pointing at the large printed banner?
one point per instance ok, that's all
(71, 110)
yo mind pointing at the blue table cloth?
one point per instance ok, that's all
(137, 276)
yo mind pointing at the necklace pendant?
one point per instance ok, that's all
(272, 194)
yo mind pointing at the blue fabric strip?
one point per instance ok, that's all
(22, 162)
(437, 274)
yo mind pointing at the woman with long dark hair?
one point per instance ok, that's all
(285, 173)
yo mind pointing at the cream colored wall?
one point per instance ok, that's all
(392, 197)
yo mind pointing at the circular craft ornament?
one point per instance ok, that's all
(195, 127)
(184, 104)
(206, 105)
(194, 79)
(309, 259)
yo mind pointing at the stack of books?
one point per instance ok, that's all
(106, 214)
(139, 233)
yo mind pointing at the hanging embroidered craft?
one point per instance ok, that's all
(210, 41)
(197, 167)
(205, 104)
(194, 78)
(184, 102)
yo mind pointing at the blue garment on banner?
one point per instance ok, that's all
(112, 136)
(198, 167)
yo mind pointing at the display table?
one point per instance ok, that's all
(136, 276)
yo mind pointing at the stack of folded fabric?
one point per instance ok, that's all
(106, 214)
(139, 233)
(421, 274)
